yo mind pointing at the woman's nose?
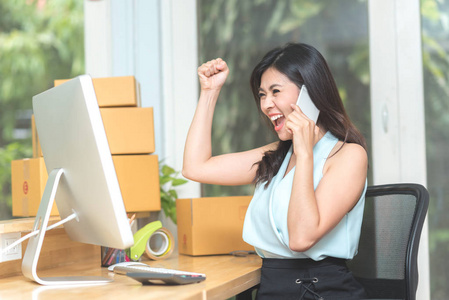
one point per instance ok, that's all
(267, 103)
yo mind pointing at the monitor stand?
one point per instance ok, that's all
(31, 257)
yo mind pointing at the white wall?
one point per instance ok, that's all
(180, 80)
(97, 38)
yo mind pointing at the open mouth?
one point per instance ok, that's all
(278, 121)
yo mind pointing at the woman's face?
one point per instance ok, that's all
(276, 94)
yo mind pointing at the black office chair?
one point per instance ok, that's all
(386, 264)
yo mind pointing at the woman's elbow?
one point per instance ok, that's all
(187, 173)
(191, 173)
(300, 245)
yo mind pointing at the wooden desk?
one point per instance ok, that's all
(226, 276)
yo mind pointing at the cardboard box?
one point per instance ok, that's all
(129, 130)
(211, 225)
(114, 91)
(138, 177)
(28, 179)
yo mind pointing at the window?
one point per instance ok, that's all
(435, 34)
(39, 41)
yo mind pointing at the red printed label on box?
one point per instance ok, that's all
(25, 187)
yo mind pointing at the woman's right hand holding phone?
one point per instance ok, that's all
(213, 74)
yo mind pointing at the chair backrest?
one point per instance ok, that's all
(386, 263)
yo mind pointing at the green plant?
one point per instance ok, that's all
(168, 180)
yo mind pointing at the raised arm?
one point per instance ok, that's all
(199, 164)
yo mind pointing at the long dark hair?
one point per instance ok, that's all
(304, 65)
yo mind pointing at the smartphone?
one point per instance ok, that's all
(305, 103)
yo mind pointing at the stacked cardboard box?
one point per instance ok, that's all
(130, 133)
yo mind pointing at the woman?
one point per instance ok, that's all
(305, 217)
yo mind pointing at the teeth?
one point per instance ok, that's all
(274, 118)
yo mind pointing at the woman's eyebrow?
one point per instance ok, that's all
(274, 85)
(271, 87)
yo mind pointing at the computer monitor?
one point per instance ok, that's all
(82, 178)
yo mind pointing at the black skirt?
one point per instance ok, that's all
(306, 279)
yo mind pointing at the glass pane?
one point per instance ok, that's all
(39, 41)
(435, 36)
(241, 32)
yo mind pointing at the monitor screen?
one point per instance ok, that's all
(73, 139)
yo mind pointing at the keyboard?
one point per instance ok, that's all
(151, 275)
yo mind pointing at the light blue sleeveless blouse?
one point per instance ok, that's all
(265, 224)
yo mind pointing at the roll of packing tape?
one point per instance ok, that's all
(165, 241)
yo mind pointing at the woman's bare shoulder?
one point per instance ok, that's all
(348, 154)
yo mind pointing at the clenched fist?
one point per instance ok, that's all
(213, 74)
